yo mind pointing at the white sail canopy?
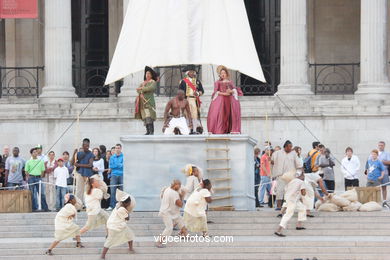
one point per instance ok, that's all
(173, 32)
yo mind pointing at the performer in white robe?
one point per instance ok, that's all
(64, 226)
(118, 231)
(93, 197)
(171, 202)
(194, 177)
(295, 189)
(195, 218)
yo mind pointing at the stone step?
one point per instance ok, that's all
(292, 232)
(218, 220)
(235, 256)
(220, 214)
(172, 249)
(97, 242)
(217, 226)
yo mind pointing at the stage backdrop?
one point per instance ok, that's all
(152, 162)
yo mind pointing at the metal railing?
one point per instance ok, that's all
(335, 78)
(89, 81)
(20, 81)
(169, 79)
(252, 87)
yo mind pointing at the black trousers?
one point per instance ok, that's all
(329, 185)
(351, 183)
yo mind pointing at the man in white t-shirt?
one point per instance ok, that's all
(61, 175)
(171, 202)
(295, 189)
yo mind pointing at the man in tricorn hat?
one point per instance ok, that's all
(193, 89)
(145, 106)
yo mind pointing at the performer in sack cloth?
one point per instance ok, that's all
(145, 105)
(64, 226)
(174, 116)
(193, 89)
(118, 231)
(171, 202)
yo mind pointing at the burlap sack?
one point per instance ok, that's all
(370, 206)
(354, 206)
(339, 201)
(330, 207)
(288, 176)
(350, 195)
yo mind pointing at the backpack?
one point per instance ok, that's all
(307, 162)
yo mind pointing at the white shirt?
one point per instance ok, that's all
(196, 204)
(117, 219)
(100, 166)
(350, 168)
(61, 174)
(191, 184)
(92, 201)
(62, 221)
(168, 203)
(293, 190)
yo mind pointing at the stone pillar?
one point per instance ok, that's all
(209, 76)
(374, 81)
(58, 52)
(293, 49)
(131, 82)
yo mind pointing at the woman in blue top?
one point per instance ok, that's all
(375, 170)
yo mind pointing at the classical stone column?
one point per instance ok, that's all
(293, 49)
(209, 76)
(374, 81)
(131, 82)
(58, 52)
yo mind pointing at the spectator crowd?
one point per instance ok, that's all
(319, 168)
(52, 176)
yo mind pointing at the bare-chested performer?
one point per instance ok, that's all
(174, 115)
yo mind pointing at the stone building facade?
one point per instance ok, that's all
(325, 47)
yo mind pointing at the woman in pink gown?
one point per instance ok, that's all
(225, 112)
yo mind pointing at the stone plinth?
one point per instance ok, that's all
(152, 162)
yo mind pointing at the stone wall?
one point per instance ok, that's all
(337, 123)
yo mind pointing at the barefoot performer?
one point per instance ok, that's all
(64, 226)
(93, 197)
(118, 231)
(174, 115)
(171, 202)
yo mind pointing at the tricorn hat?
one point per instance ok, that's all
(154, 74)
(189, 67)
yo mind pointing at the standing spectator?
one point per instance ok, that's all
(313, 154)
(5, 153)
(67, 162)
(50, 165)
(265, 173)
(14, 168)
(2, 175)
(98, 163)
(277, 148)
(298, 151)
(116, 166)
(257, 176)
(106, 178)
(113, 150)
(327, 163)
(103, 151)
(283, 161)
(384, 157)
(317, 162)
(41, 156)
(350, 166)
(35, 168)
(375, 170)
(61, 175)
(83, 164)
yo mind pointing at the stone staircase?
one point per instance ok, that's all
(340, 235)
